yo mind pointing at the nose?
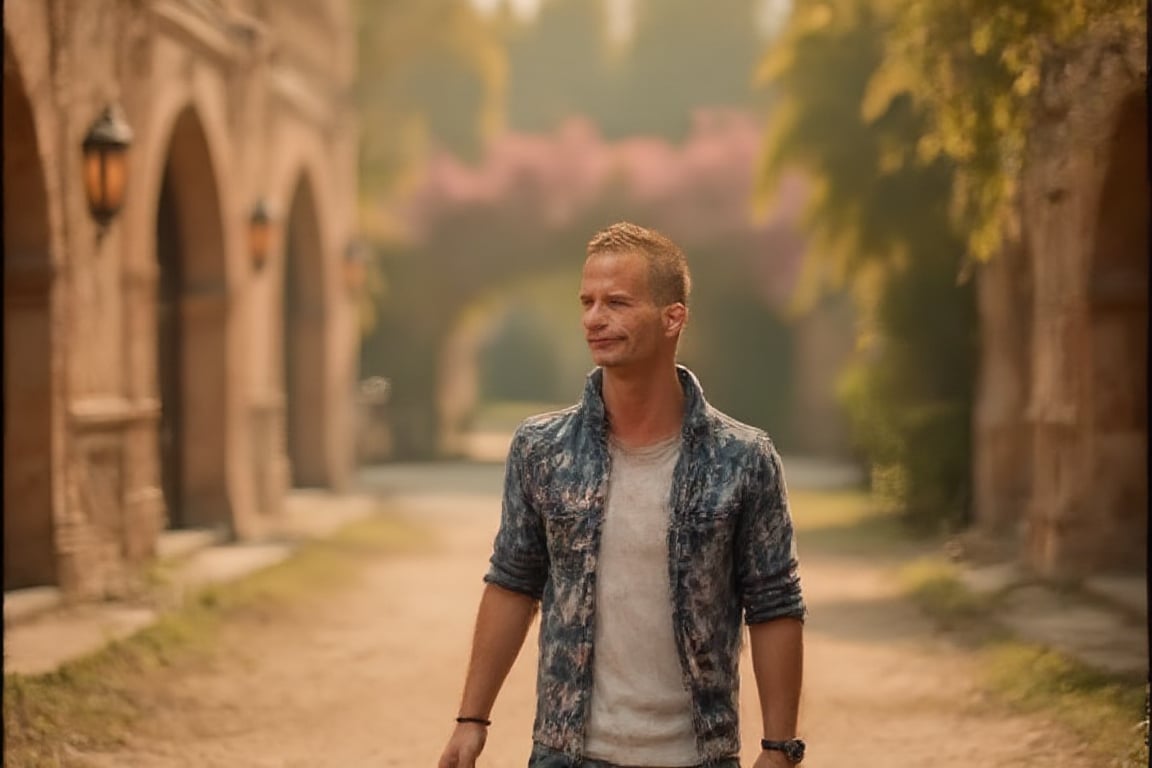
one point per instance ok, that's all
(593, 317)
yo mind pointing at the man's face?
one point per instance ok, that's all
(622, 323)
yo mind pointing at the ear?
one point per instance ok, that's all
(675, 318)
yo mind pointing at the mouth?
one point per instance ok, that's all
(602, 342)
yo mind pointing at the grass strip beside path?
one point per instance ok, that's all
(1102, 709)
(90, 704)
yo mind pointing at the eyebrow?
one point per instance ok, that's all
(613, 295)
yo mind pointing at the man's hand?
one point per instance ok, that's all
(501, 624)
(465, 746)
(770, 758)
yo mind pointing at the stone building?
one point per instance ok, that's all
(157, 375)
(1061, 419)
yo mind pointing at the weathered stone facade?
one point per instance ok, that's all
(1061, 422)
(154, 377)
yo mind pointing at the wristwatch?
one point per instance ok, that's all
(793, 749)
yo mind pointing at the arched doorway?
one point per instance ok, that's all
(29, 527)
(191, 303)
(303, 318)
(1118, 303)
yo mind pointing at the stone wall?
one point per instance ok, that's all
(1085, 218)
(161, 331)
(1002, 432)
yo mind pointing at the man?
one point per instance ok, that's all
(645, 524)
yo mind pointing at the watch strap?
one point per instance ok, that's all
(793, 749)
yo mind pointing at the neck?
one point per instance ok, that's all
(643, 408)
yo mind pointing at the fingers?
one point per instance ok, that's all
(467, 758)
(458, 756)
(454, 761)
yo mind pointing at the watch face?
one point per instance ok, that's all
(794, 750)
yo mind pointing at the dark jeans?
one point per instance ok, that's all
(542, 757)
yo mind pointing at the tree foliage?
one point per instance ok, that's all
(974, 67)
(879, 217)
(431, 74)
(520, 363)
(558, 65)
(682, 55)
(913, 118)
(970, 69)
(870, 207)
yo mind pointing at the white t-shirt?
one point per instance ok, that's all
(641, 708)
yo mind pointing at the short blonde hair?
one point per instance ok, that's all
(668, 276)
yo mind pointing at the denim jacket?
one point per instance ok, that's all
(730, 555)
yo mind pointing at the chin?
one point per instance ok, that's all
(612, 361)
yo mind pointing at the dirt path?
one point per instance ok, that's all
(372, 677)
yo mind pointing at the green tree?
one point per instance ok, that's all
(558, 65)
(740, 347)
(683, 55)
(879, 218)
(973, 68)
(431, 73)
(520, 363)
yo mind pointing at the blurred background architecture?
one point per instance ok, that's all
(1061, 436)
(180, 341)
(250, 244)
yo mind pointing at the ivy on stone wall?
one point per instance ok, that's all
(974, 67)
(913, 118)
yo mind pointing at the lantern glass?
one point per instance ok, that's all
(106, 164)
(105, 180)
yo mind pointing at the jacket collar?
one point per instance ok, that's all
(695, 410)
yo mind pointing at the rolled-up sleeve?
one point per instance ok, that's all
(519, 559)
(768, 571)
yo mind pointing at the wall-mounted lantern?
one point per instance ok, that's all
(357, 256)
(260, 231)
(106, 165)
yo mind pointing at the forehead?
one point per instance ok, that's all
(624, 269)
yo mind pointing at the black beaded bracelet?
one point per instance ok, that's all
(477, 720)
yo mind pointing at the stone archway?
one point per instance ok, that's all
(303, 351)
(1118, 312)
(29, 525)
(191, 301)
